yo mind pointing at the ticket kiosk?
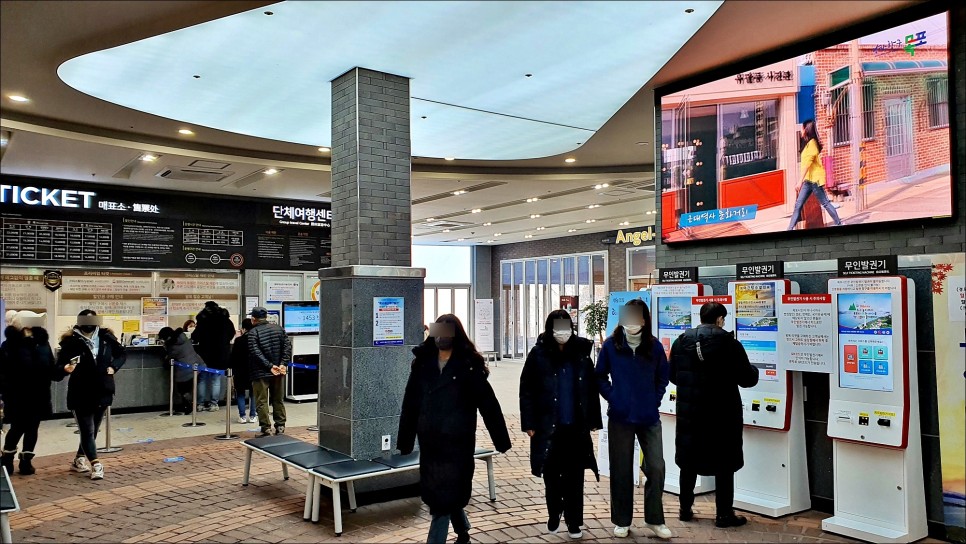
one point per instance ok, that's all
(671, 315)
(774, 479)
(873, 415)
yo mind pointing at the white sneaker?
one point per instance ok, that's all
(80, 465)
(242, 419)
(97, 472)
(253, 419)
(621, 532)
(214, 407)
(578, 534)
(660, 531)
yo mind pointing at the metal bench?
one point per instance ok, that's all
(8, 504)
(331, 469)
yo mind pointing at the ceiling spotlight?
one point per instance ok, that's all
(458, 193)
(489, 241)
(147, 157)
(460, 239)
(624, 223)
(534, 215)
(601, 186)
(529, 200)
(498, 234)
(185, 132)
(324, 150)
(445, 230)
(592, 206)
(450, 158)
(569, 160)
(590, 221)
(428, 219)
(487, 224)
(18, 98)
(571, 230)
(271, 171)
(541, 228)
(476, 210)
(528, 236)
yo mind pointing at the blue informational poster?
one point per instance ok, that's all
(618, 299)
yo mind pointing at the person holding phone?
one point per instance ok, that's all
(559, 408)
(90, 356)
(447, 387)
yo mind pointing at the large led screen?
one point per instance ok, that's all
(851, 134)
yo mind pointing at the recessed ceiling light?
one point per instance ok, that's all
(529, 200)
(498, 234)
(476, 210)
(590, 221)
(571, 230)
(570, 160)
(460, 239)
(601, 186)
(450, 158)
(271, 171)
(147, 157)
(541, 228)
(641, 143)
(534, 215)
(428, 219)
(624, 223)
(592, 206)
(487, 224)
(489, 241)
(18, 98)
(324, 150)
(445, 230)
(528, 236)
(186, 132)
(458, 193)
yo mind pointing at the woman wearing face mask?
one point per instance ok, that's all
(632, 374)
(26, 367)
(447, 387)
(91, 356)
(559, 408)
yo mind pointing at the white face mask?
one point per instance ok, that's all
(633, 330)
(562, 336)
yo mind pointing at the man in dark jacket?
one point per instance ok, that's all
(708, 365)
(270, 351)
(212, 337)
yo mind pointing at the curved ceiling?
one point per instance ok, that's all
(544, 76)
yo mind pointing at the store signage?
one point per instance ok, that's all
(44, 196)
(635, 236)
(53, 279)
(884, 265)
(679, 275)
(772, 270)
(758, 77)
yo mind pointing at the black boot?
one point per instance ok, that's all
(7, 460)
(730, 520)
(26, 467)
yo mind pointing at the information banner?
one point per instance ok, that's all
(24, 292)
(806, 329)
(673, 317)
(483, 333)
(725, 300)
(154, 305)
(107, 282)
(152, 324)
(282, 291)
(619, 298)
(388, 323)
(756, 323)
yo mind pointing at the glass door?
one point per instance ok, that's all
(519, 311)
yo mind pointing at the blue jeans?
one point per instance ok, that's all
(240, 400)
(209, 388)
(439, 527)
(808, 188)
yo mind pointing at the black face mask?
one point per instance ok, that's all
(87, 329)
(444, 343)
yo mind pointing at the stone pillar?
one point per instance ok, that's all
(360, 384)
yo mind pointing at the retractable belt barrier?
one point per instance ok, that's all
(312, 428)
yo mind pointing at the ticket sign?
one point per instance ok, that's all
(760, 271)
(725, 300)
(885, 265)
(806, 329)
(679, 275)
(756, 323)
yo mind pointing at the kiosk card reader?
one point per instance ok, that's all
(774, 479)
(671, 315)
(874, 412)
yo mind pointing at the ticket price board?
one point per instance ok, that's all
(874, 411)
(774, 480)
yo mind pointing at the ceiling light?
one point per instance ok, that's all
(571, 230)
(487, 224)
(445, 230)
(624, 223)
(269, 13)
(476, 210)
(529, 200)
(541, 228)
(18, 98)
(534, 215)
(527, 75)
(324, 150)
(450, 158)
(271, 171)
(641, 143)
(528, 236)
(498, 234)
(489, 241)
(569, 160)
(147, 157)
(590, 221)
(689, 10)
(428, 219)
(460, 239)
(592, 206)
(185, 131)
(601, 186)
(458, 193)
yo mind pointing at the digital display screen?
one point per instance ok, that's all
(300, 317)
(673, 318)
(804, 143)
(756, 323)
(865, 329)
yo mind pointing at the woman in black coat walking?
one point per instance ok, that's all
(708, 366)
(559, 408)
(90, 355)
(241, 374)
(447, 386)
(26, 368)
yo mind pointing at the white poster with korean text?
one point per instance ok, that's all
(483, 333)
(805, 328)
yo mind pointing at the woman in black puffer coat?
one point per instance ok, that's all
(447, 386)
(559, 407)
(26, 368)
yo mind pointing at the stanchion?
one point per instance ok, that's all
(73, 423)
(170, 411)
(194, 401)
(107, 436)
(228, 435)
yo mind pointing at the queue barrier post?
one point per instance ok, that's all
(312, 428)
(194, 401)
(227, 435)
(170, 411)
(107, 436)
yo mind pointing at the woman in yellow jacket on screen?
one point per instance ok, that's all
(813, 175)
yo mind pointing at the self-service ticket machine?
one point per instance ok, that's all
(671, 315)
(874, 412)
(774, 479)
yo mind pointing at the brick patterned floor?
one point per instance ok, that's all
(200, 499)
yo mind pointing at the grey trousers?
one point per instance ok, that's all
(622, 466)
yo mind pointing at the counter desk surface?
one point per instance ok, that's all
(141, 383)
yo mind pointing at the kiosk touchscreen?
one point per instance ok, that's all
(873, 415)
(671, 315)
(774, 479)
(301, 320)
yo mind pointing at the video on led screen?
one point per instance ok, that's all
(851, 134)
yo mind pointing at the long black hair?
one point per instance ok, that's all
(810, 133)
(555, 315)
(463, 347)
(647, 339)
